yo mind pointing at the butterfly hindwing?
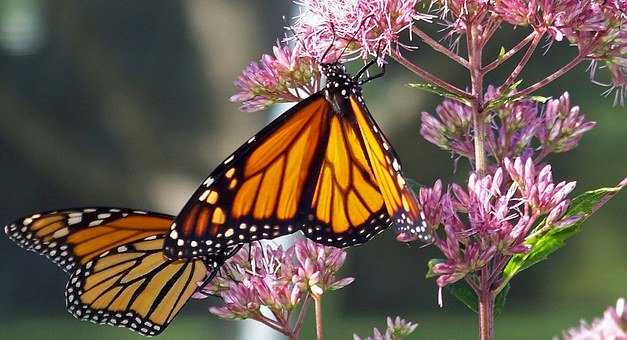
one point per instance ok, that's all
(119, 274)
(347, 207)
(133, 286)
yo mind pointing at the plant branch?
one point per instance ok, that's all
(428, 76)
(522, 63)
(473, 42)
(270, 323)
(486, 314)
(318, 308)
(439, 47)
(301, 316)
(524, 92)
(493, 24)
(491, 66)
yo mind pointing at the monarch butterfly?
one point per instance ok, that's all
(323, 167)
(118, 273)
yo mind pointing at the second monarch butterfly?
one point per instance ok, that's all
(118, 272)
(323, 167)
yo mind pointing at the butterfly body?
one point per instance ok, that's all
(323, 167)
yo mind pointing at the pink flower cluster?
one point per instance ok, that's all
(518, 129)
(285, 77)
(396, 329)
(371, 27)
(613, 326)
(278, 279)
(596, 27)
(482, 225)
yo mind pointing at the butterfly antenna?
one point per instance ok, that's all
(324, 55)
(289, 28)
(354, 35)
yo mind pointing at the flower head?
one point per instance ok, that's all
(451, 129)
(396, 329)
(317, 267)
(515, 127)
(563, 125)
(372, 27)
(284, 77)
(489, 220)
(275, 278)
(613, 325)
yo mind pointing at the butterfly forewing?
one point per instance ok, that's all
(400, 201)
(257, 192)
(322, 167)
(72, 237)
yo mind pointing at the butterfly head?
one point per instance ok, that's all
(339, 83)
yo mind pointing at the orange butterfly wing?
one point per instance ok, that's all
(400, 200)
(321, 168)
(258, 191)
(72, 237)
(120, 275)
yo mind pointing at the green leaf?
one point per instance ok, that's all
(514, 86)
(430, 265)
(539, 99)
(501, 53)
(440, 92)
(413, 184)
(464, 293)
(499, 302)
(543, 245)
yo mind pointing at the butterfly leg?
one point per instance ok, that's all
(378, 75)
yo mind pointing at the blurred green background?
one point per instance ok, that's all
(124, 103)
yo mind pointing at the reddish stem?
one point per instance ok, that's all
(524, 92)
(428, 76)
(522, 63)
(491, 66)
(439, 47)
(473, 42)
(486, 314)
(301, 316)
(318, 309)
(493, 24)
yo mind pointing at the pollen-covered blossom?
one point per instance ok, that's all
(278, 279)
(397, 329)
(563, 125)
(371, 26)
(484, 224)
(613, 326)
(284, 77)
